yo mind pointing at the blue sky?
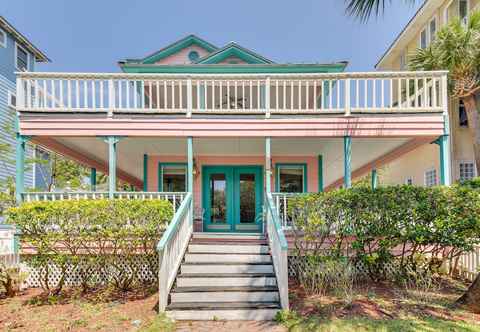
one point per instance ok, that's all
(91, 36)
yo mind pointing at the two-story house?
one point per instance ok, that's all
(422, 166)
(17, 53)
(227, 135)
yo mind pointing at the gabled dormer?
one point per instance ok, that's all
(232, 53)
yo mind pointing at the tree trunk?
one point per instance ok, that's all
(471, 298)
(473, 126)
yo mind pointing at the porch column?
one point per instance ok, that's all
(320, 173)
(190, 174)
(93, 179)
(374, 179)
(145, 172)
(268, 165)
(21, 142)
(112, 165)
(445, 174)
(347, 158)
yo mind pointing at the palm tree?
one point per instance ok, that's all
(364, 9)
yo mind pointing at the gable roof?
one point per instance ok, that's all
(39, 55)
(174, 48)
(232, 49)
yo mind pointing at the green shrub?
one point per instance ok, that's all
(92, 237)
(411, 228)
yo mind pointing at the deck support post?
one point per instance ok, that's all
(320, 173)
(145, 172)
(268, 165)
(444, 144)
(93, 179)
(190, 173)
(21, 142)
(347, 159)
(374, 179)
(112, 164)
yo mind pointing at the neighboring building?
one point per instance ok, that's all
(421, 166)
(228, 136)
(17, 53)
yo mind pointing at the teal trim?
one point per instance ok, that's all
(347, 161)
(374, 179)
(175, 48)
(234, 69)
(291, 165)
(444, 145)
(268, 162)
(232, 194)
(320, 173)
(161, 165)
(93, 179)
(145, 172)
(186, 205)
(276, 221)
(234, 50)
(21, 142)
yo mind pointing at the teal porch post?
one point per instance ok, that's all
(320, 173)
(268, 165)
(112, 164)
(374, 179)
(93, 179)
(21, 142)
(445, 174)
(347, 159)
(190, 173)
(145, 172)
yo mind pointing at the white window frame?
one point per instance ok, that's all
(445, 10)
(425, 176)
(4, 44)
(428, 32)
(9, 100)
(403, 60)
(409, 179)
(465, 21)
(17, 46)
(467, 162)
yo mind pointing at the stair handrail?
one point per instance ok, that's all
(279, 249)
(171, 249)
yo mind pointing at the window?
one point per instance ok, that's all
(423, 38)
(193, 56)
(291, 178)
(12, 99)
(403, 60)
(21, 56)
(409, 181)
(431, 177)
(467, 170)
(432, 29)
(462, 115)
(3, 38)
(173, 177)
(428, 33)
(463, 11)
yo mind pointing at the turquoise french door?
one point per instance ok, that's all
(232, 198)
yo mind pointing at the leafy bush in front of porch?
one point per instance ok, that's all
(94, 240)
(388, 233)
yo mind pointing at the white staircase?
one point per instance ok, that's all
(225, 277)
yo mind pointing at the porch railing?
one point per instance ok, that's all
(336, 93)
(469, 263)
(282, 203)
(172, 247)
(175, 198)
(279, 249)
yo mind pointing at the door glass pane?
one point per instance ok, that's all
(218, 190)
(174, 178)
(247, 198)
(291, 179)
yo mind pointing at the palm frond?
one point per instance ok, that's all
(364, 9)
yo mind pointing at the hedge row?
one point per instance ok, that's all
(409, 227)
(84, 235)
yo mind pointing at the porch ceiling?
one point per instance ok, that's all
(131, 150)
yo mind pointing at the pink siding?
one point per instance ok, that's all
(181, 57)
(228, 61)
(311, 161)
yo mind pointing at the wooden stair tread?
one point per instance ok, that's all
(227, 263)
(226, 275)
(222, 305)
(198, 289)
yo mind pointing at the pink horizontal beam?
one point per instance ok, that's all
(53, 145)
(324, 127)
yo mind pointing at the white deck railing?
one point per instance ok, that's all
(469, 263)
(282, 203)
(172, 247)
(175, 198)
(279, 249)
(340, 93)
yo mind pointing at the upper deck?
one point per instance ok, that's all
(386, 99)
